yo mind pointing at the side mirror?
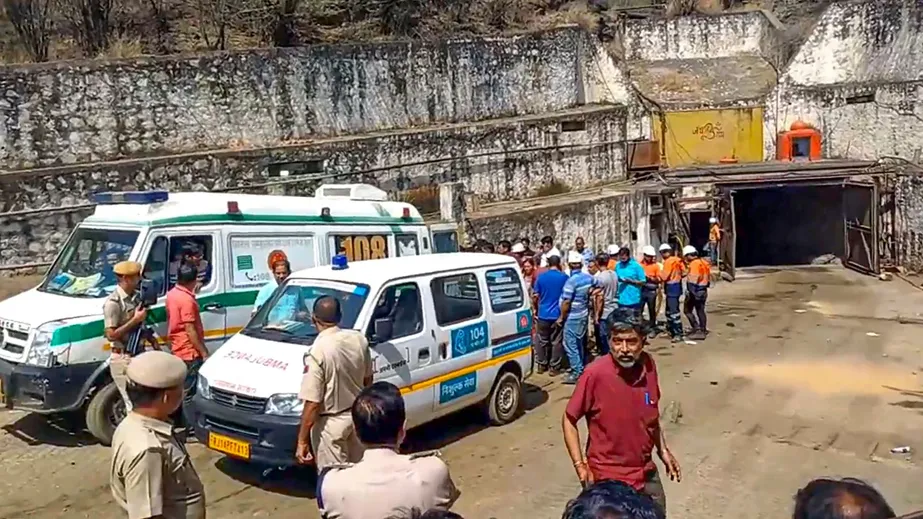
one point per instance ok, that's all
(149, 291)
(384, 329)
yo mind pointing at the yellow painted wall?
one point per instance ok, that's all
(707, 136)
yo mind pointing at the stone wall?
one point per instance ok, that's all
(858, 79)
(503, 160)
(700, 37)
(67, 113)
(601, 219)
(862, 42)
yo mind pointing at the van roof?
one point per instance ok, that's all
(383, 270)
(211, 208)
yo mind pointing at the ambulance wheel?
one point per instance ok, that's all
(505, 401)
(104, 412)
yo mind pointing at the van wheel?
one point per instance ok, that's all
(104, 413)
(505, 401)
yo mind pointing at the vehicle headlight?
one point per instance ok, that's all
(202, 387)
(40, 352)
(285, 404)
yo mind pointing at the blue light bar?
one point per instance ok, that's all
(340, 262)
(129, 197)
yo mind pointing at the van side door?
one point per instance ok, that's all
(462, 333)
(398, 359)
(161, 264)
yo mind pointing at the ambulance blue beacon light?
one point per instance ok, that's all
(339, 262)
(129, 197)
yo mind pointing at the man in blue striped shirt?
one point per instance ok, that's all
(575, 313)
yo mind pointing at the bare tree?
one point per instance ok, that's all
(285, 33)
(159, 12)
(32, 21)
(89, 22)
(401, 18)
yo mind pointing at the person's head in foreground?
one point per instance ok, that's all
(611, 500)
(379, 415)
(155, 384)
(840, 499)
(626, 340)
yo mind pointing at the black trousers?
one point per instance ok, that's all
(694, 308)
(550, 347)
(649, 302)
(189, 390)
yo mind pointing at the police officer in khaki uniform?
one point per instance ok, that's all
(338, 366)
(123, 314)
(385, 483)
(151, 473)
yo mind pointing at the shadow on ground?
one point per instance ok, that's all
(302, 481)
(456, 426)
(916, 401)
(62, 430)
(294, 481)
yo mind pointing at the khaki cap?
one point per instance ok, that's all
(127, 268)
(157, 370)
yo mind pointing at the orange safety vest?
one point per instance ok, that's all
(699, 272)
(672, 270)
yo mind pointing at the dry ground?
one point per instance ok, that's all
(806, 375)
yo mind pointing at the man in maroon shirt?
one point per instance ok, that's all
(618, 395)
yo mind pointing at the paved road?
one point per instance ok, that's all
(790, 386)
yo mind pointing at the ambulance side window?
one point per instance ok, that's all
(407, 245)
(505, 290)
(402, 304)
(456, 298)
(196, 249)
(155, 269)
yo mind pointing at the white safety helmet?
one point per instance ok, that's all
(612, 250)
(574, 257)
(648, 250)
(518, 248)
(665, 246)
(689, 249)
(713, 220)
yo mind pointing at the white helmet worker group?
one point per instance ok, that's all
(648, 250)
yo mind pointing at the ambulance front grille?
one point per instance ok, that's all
(243, 403)
(16, 336)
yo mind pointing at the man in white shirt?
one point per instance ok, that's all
(548, 250)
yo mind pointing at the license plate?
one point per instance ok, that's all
(235, 448)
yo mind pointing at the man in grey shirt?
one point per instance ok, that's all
(608, 282)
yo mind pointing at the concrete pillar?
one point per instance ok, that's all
(452, 202)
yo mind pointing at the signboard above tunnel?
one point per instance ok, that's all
(709, 136)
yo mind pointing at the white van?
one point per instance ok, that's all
(451, 331)
(53, 355)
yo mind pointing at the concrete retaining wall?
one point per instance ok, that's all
(67, 113)
(501, 160)
(700, 36)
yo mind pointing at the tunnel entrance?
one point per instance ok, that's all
(790, 225)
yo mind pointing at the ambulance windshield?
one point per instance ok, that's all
(286, 317)
(84, 268)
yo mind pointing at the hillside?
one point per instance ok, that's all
(49, 30)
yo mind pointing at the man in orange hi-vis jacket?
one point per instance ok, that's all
(698, 279)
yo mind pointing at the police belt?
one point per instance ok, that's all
(337, 413)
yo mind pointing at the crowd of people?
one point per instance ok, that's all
(575, 293)
(351, 428)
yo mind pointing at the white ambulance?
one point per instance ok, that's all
(53, 355)
(451, 331)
